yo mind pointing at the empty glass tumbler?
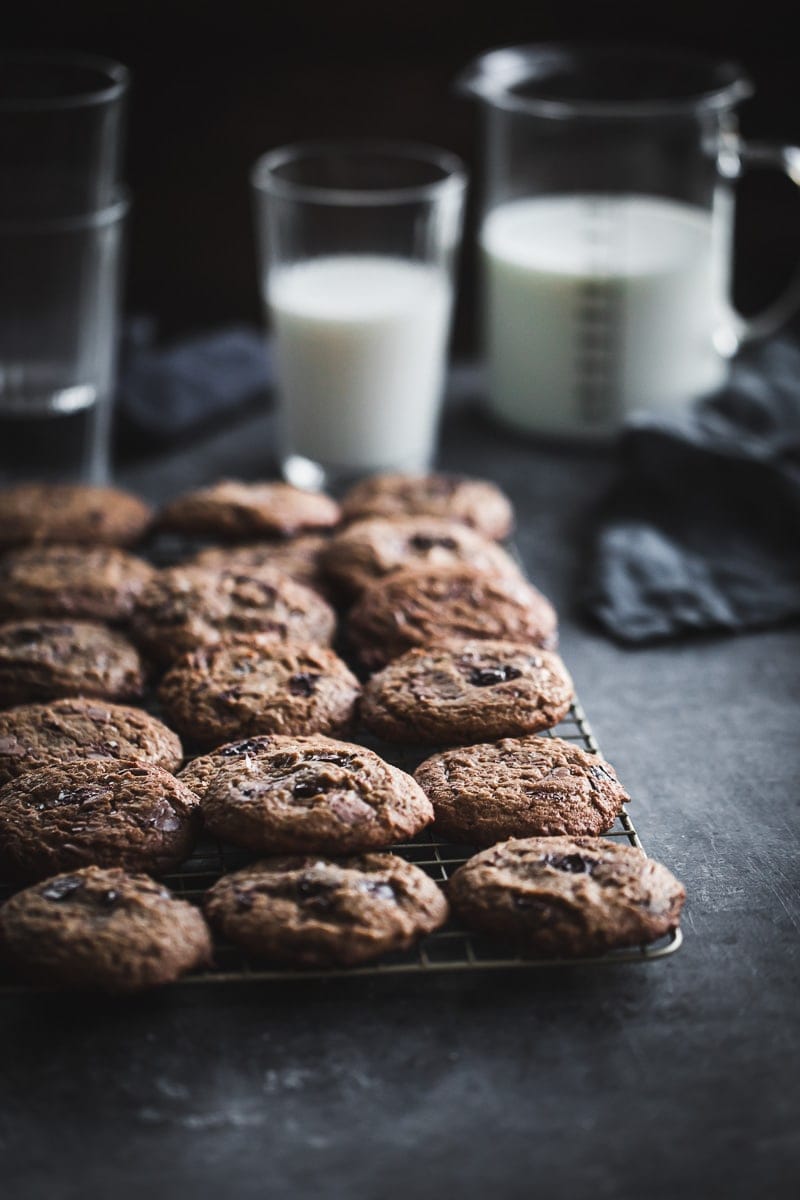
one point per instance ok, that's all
(357, 246)
(61, 133)
(62, 215)
(59, 302)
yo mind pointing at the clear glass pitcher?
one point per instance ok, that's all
(606, 231)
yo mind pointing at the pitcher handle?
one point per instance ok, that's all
(738, 157)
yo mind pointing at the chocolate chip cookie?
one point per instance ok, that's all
(102, 929)
(474, 502)
(371, 549)
(47, 512)
(252, 684)
(103, 812)
(423, 606)
(94, 582)
(520, 787)
(566, 897)
(44, 659)
(185, 608)
(231, 509)
(309, 795)
(297, 557)
(467, 691)
(37, 735)
(317, 912)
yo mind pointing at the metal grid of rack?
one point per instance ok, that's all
(451, 948)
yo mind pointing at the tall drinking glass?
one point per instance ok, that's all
(357, 245)
(59, 301)
(61, 221)
(61, 127)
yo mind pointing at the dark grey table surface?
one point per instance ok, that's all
(676, 1078)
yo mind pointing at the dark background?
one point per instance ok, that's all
(217, 83)
(674, 1080)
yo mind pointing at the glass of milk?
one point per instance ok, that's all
(606, 232)
(357, 246)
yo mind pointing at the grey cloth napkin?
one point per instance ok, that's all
(701, 532)
(174, 392)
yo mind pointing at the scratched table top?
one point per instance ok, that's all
(656, 1079)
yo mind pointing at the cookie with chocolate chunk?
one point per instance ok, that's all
(520, 787)
(319, 912)
(371, 549)
(424, 606)
(297, 557)
(567, 897)
(102, 812)
(61, 512)
(37, 735)
(474, 502)
(93, 582)
(102, 929)
(187, 607)
(283, 795)
(467, 691)
(232, 509)
(43, 659)
(252, 684)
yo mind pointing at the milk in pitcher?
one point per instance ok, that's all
(598, 305)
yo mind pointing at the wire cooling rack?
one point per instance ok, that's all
(451, 948)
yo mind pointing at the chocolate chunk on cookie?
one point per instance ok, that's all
(309, 795)
(231, 509)
(44, 659)
(252, 684)
(474, 502)
(38, 735)
(297, 557)
(467, 691)
(184, 608)
(42, 512)
(566, 897)
(423, 606)
(371, 549)
(321, 912)
(230, 759)
(98, 583)
(102, 929)
(103, 812)
(520, 787)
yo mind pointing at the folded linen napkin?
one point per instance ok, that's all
(701, 531)
(174, 392)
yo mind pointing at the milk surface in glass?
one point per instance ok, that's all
(361, 342)
(597, 305)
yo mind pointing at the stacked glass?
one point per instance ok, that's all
(62, 214)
